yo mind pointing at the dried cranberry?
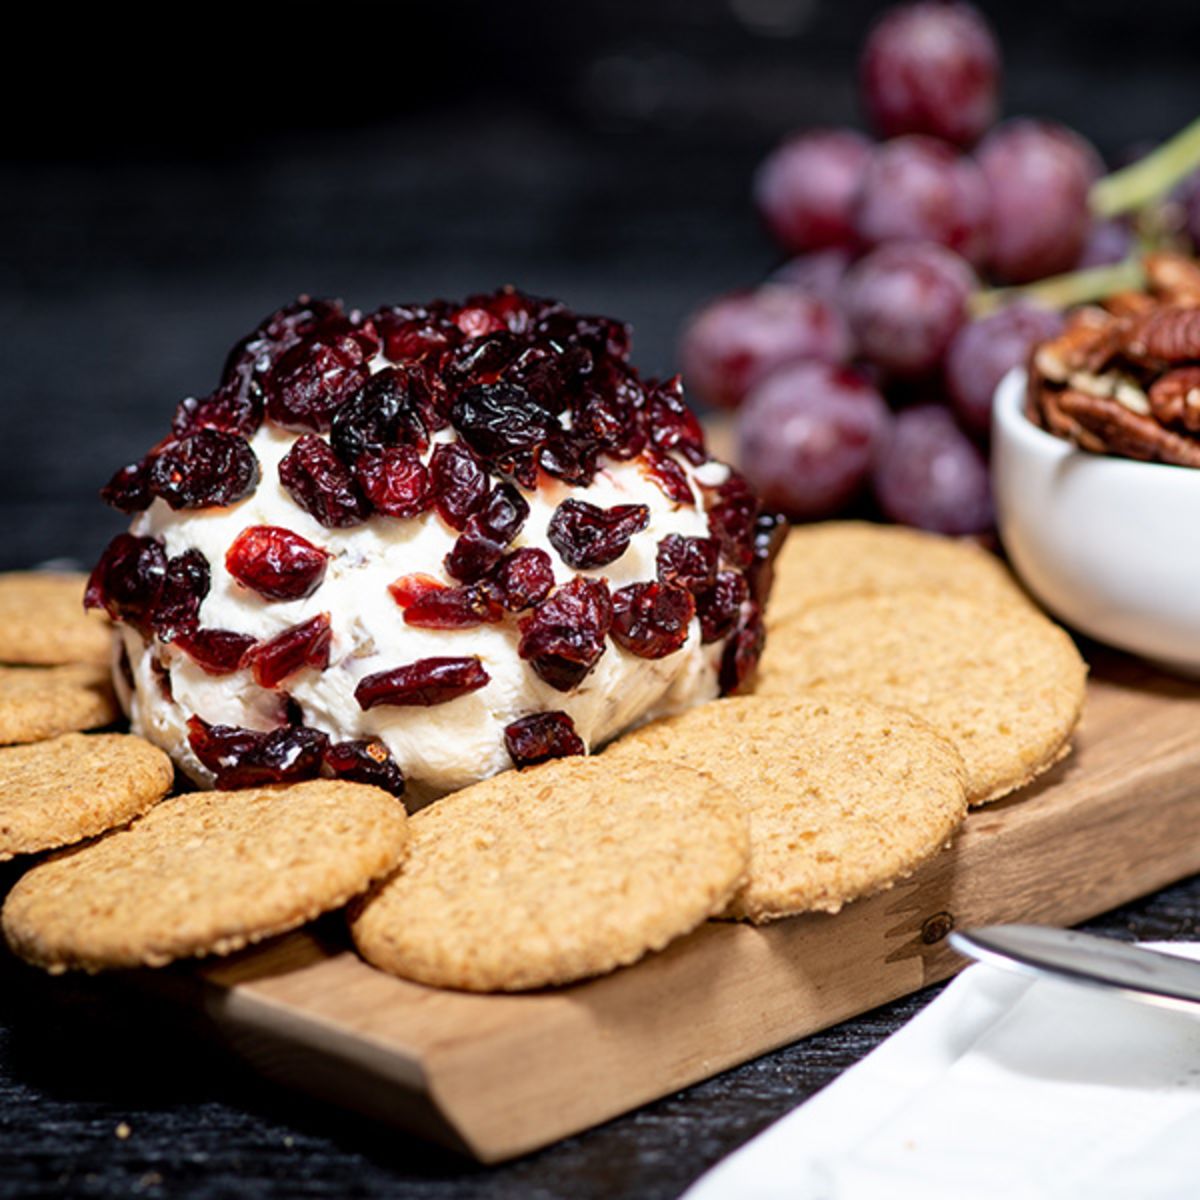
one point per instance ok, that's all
(249, 362)
(541, 737)
(313, 379)
(770, 532)
(587, 536)
(549, 373)
(670, 477)
(720, 606)
(384, 413)
(321, 484)
(128, 579)
(480, 361)
(742, 651)
(216, 651)
(568, 458)
(426, 682)
(429, 604)
(517, 310)
(503, 424)
(601, 334)
(129, 489)
(651, 619)
(232, 408)
(488, 533)
(394, 480)
(409, 589)
(276, 563)
(523, 578)
(477, 322)
(185, 585)
(205, 468)
(563, 638)
(366, 762)
(731, 520)
(608, 411)
(303, 316)
(673, 426)
(458, 482)
(241, 758)
(430, 396)
(300, 646)
(691, 562)
(412, 333)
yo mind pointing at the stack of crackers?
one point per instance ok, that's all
(906, 678)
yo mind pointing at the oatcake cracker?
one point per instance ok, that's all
(75, 786)
(837, 559)
(1002, 682)
(552, 874)
(42, 621)
(843, 797)
(205, 873)
(42, 702)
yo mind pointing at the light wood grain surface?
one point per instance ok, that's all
(495, 1076)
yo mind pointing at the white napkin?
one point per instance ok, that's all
(1002, 1088)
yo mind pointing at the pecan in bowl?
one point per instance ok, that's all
(1123, 378)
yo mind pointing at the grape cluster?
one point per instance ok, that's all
(861, 380)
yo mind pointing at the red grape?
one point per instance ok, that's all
(1106, 242)
(808, 436)
(805, 188)
(819, 274)
(984, 351)
(917, 189)
(931, 475)
(905, 302)
(1039, 173)
(733, 342)
(932, 68)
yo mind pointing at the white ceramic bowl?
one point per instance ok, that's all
(1109, 545)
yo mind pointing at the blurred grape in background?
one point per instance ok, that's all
(159, 199)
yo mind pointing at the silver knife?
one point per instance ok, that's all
(1146, 975)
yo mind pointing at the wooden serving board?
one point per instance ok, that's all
(495, 1076)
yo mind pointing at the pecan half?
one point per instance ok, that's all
(1090, 339)
(1167, 336)
(1173, 278)
(1128, 304)
(1121, 431)
(1175, 398)
(1119, 387)
(1062, 425)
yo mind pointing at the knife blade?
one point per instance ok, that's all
(1144, 975)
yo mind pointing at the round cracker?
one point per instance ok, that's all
(43, 623)
(837, 559)
(1001, 682)
(844, 797)
(553, 874)
(42, 702)
(205, 873)
(76, 786)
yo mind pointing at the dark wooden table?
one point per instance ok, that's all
(600, 151)
(101, 1096)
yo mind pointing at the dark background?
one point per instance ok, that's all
(164, 186)
(167, 181)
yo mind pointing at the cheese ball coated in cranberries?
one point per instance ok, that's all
(418, 546)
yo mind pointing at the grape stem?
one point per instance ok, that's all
(1063, 291)
(1138, 184)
